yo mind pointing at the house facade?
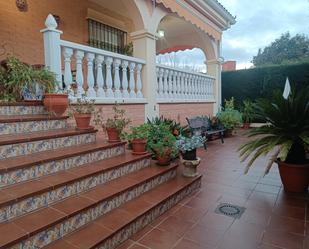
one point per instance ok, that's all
(107, 50)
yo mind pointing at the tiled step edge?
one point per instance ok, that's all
(50, 190)
(30, 123)
(28, 167)
(109, 237)
(63, 224)
(49, 141)
(23, 108)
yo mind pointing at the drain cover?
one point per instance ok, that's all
(230, 210)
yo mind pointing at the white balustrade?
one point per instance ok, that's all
(177, 85)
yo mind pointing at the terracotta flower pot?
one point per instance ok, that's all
(82, 121)
(56, 103)
(163, 160)
(294, 177)
(246, 125)
(139, 146)
(113, 135)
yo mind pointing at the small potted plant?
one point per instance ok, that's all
(82, 112)
(162, 143)
(286, 133)
(138, 138)
(115, 125)
(247, 113)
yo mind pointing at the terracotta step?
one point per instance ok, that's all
(23, 168)
(112, 229)
(32, 142)
(19, 199)
(22, 108)
(12, 124)
(43, 226)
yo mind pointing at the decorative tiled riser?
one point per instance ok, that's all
(56, 232)
(31, 126)
(22, 110)
(146, 219)
(39, 170)
(12, 150)
(44, 199)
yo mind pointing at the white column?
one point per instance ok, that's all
(52, 50)
(109, 79)
(125, 93)
(214, 69)
(175, 85)
(139, 84)
(165, 83)
(161, 72)
(118, 94)
(90, 77)
(67, 54)
(170, 84)
(100, 79)
(132, 81)
(79, 55)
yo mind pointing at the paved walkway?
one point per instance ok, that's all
(272, 219)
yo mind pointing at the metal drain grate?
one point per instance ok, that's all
(230, 210)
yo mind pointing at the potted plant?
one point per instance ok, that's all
(82, 112)
(162, 143)
(115, 125)
(138, 138)
(229, 117)
(247, 113)
(287, 133)
(188, 145)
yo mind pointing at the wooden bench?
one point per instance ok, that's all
(201, 125)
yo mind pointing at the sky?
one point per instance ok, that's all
(258, 23)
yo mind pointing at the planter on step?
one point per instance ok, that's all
(56, 103)
(190, 167)
(83, 121)
(163, 160)
(113, 135)
(294, 177)
(139, 146)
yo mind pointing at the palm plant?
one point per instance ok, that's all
(247, 111)
(286, 132)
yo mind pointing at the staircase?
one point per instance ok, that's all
(65, 188)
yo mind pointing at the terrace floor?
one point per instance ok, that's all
(272, 219)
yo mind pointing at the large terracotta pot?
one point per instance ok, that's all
(113, 135)
(82, 121)
(56, 103)
(139, 146)
(294, 177)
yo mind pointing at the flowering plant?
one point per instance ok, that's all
(185, 144)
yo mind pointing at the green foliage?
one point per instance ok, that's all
(286, 131)
(261, 82)
(161, 141)
(15, 76)
(128, 49)
(118, 121)
(285, 50)
(141, 131)
(247, 111)
(83, 105)
(185, 144)
(229, 117)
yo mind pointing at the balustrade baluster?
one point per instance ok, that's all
(161, 71)
(139, 84)
(170, 84)
(165, 83)
(90, 77)
(132, 80)
(100, 79)
(118, 94)
(67, 54)
(79, 55)
(175, 85)
(125, 93)
(109, 80)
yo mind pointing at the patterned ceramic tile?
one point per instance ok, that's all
(71, 224)
(47, 198)
(22, 127)
(41, 169)
(22, 110)
(20, 149)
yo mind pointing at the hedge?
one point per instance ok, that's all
(261, 82)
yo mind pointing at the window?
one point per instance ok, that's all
(106, 37)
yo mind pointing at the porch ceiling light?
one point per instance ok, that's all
(160, 33)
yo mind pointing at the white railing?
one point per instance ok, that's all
(177, 85)
(101, 75)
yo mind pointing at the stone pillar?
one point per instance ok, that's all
(144, 47)
(214, 70)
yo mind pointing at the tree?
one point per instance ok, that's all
(285, 50)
